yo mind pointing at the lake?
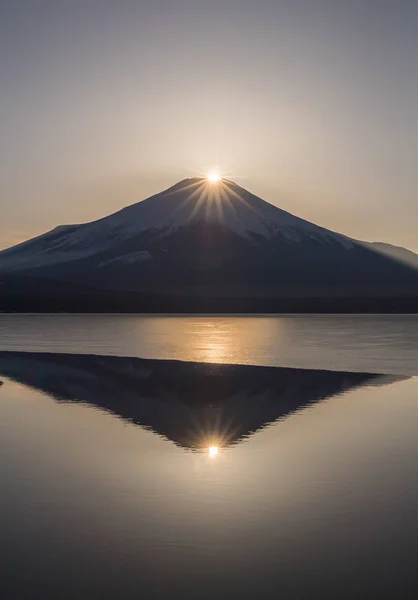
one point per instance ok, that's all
(202, 457)
(381, 344)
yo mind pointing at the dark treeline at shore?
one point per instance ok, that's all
(136, 302)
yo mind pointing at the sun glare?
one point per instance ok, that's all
(214, 177)
(213, 451)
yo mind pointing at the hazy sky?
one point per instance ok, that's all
(313, 105)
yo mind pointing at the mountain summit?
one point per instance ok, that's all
(210, 236)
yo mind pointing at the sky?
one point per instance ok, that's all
(310, 104)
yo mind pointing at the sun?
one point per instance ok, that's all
(214, 177)
(213, 451)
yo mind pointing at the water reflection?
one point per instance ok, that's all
(98, 505)
(201, 407)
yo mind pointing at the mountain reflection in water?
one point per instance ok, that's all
(195, 405)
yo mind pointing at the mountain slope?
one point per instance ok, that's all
(219, 236)
(403, 255)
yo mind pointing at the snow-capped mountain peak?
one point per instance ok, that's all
(190, 201)
(223, 202)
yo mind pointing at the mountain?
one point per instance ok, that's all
(207, 240)
(194, 405)
(125, 236)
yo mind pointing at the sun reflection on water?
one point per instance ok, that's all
(222, 340)
(213, 339)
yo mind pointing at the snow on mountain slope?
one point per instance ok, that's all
(133, 257)
(190, 201)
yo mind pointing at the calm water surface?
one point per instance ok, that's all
(381, 344)
(147, 478)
